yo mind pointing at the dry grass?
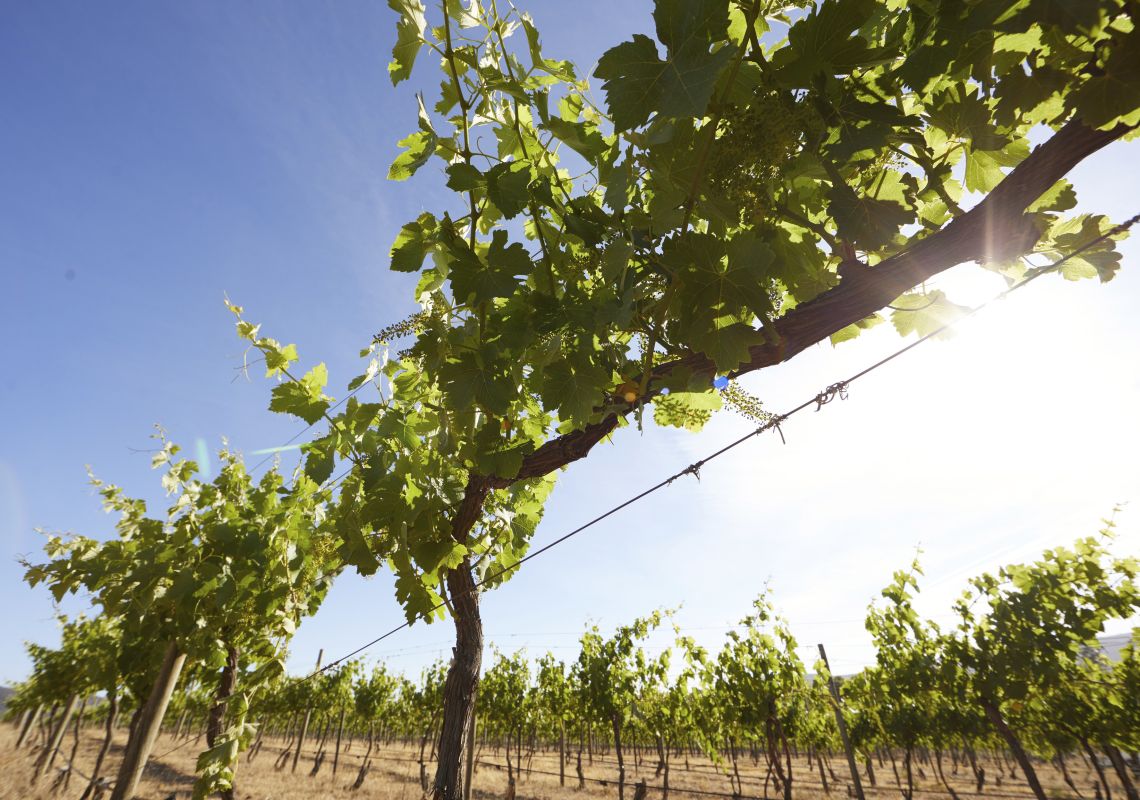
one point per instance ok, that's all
(395, 776)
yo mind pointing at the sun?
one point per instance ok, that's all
(999, 319)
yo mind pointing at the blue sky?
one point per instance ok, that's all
(156, 156)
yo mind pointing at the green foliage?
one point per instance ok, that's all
(503, 694)
(726, 180)
(235, 564)
(923, 314)
(921, 692)
(410, 32)
(640, 84)
(728, 176)
(1040, 618)
(758, 679)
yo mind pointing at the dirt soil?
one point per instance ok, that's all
(395, 775)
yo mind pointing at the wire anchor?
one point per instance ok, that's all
(830, 393)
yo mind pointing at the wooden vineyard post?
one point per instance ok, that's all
(33, 717)
(23, 718)
(145, 733)
(305, 721)
(561, 752)
(339, 733)
(48, 755)
(109, 731)
(858, 784)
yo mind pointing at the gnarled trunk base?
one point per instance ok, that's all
(461, 684)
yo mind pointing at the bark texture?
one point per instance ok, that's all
(462, 681)
(227, 682)
(216, 719)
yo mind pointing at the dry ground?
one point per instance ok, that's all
(395, 776)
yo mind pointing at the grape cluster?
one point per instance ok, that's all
(753, 144)
(405, 327)
(745, 403)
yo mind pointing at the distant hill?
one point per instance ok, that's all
(5, 693)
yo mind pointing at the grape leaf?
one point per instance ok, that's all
(638, 83)
(1113, 97)
(507, 187)
(924, 314)
(866, 221)
(483, 279)
(688, 410)
(409, 37)
(303, 398)
(825, 41)
(419, 147)
(413, 242)
(573, 388)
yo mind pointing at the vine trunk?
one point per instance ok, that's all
(461, 684)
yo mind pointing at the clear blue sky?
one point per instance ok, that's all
(156, 155)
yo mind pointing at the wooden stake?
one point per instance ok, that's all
(145, 732)
(858, 784)
(28, 723)
(339, 733)
(48, 755)
(305, 721)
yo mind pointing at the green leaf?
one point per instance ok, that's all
(574, 388)
(409, 37)
(866, 221)
(398, 428)
(303, 398)
(507, 185)
(462, 177)
(418, 146)
(266, 673)
(418, 149)
(922, 314)
(481, 279)
(688, 410)
(477, 378)
(730, 279)
(825, 42)
(960, 113)
(1060, 197)
(1113, 98)
(639, 84)
(852, 331)
(1034, 97)
(584, 138)
(417, 599)
(413, 243)
(1101, 260)
(723, 339)
(497, 455)
(1071, 16)
(320, 458)
(277, 358)
(983, 172)
(438, 555)
(222, 753)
